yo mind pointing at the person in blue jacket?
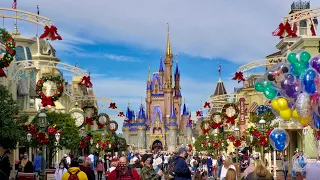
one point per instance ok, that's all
(37, 163)
(181, 169)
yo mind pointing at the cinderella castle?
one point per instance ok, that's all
(161, 125)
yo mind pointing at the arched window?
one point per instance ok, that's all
(29, 55)
(303, 28)
(20, 55)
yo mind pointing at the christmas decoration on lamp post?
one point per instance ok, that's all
(10, 51)
(49, 100)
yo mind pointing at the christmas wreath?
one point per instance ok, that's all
(202, 126)
(226, 117)
(215, 124)
(10, 52)
(48, 100)
(101, 125)
(111, 128)
(94, 115)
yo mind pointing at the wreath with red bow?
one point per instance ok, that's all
(225, 117)
(214, 124)
(10, 52)
(113, 129)
(205, 131)
(49, 100)
(101, 125)
(94, 116)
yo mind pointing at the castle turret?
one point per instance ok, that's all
(172, 131)
(148, 94)
(188, 131)
(141, 128)
(167, 88)
(184, 116)
(161, 71)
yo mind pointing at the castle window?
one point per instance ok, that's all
(29, 55)
(303, 28)
(20, 54)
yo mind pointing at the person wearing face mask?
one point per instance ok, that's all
(148, 172)
(123, 172)
(59, 171)
(25, 165)
(181, 169)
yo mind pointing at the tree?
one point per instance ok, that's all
(11, 130)
(202, 143)
(69, 135)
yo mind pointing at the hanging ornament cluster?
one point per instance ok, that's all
(113, 105)
(86, 81)
(93, 116)
(10, 50)
(49, 100)
(40, 137)
(207, 105)
(85, 142)
(230, 113)
(198, 113)
(102, 120)
(51, 33)
(121, 114)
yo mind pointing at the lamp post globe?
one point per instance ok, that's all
(42, 119)
(57, 136)
(29, 136)
(91, 141)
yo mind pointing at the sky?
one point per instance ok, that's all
(117, 40)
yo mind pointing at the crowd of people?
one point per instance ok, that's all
(153, 166)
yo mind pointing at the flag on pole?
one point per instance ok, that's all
(38, 12)
(275, 32)
(219, 69)
(14, 4)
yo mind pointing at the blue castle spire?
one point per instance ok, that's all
(184, 111)
(177, 69)
(141, 114)
(173, 114)
(161, 66)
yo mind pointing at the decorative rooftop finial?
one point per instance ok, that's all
(15, 31)
(128, 103)
(161, 65)
(168, 49)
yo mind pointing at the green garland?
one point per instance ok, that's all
(101, 125)
(205, 131)
(116, 126)
(225, 107)
(215, 114)
(6, 37)
(56, 80)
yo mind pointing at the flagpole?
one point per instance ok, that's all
(38, 40)
(16, 13)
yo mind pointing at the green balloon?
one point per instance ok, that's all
(300, 68)
(259, 87)
(305, 57)
(270, 93)
(292, 58)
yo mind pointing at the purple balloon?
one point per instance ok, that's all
(315, 63)
(290, 86)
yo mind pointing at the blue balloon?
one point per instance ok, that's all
(273, 136)
(308, 81)
(282, 137)
(292, 69)
(316, 120)
(279, 145)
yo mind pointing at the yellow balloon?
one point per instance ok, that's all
(274, 105)
(304, 121)
(286, 114)
(282, 103)
(295, 114)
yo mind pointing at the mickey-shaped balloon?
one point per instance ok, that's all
(266, 88)
(300, 61)
(308, 81)
(279, 139)
(316, 121)
(281, 105)
(276, 73)
(303, 105)
(315, 63)
(262, 108)
(303, 121)
(290, 87)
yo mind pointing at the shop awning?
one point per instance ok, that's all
(253, 107)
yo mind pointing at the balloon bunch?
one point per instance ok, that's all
(279, 139)
(294, 88)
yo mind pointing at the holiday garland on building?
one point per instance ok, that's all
(49, 100)
(102, 124)
(10, 50)
(94, 115)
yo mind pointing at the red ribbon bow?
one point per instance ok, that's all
(112, 106)
(286, 28)
(230, 120)
(206, 105)
(238, 76)
(46, 100)
(206, 131)
(121, 114)
(256, 134)
(216, 125)
(190, 122)
(237, 143)
(232, 138)
(83, 144)
(2, 73)
(89, 120)
(216, 145)
(51, 33)
(127, 121)
(198, 113)
(100, 126)
(86, 81)
(263, 141)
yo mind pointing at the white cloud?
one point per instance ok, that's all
(120, 58)
(235, 30)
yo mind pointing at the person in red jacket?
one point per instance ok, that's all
(123, 172)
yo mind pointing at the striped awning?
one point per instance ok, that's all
(253, 107)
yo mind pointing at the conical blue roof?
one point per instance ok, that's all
(161, 66)
(184, 111)
(177, 69)
(173, 114)
(141, 114)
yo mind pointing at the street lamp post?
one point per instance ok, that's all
(215, 139)
(57, 136)
(83, 134)
(261, 125)
(43, 124)
(236, 134)
(29, 137)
